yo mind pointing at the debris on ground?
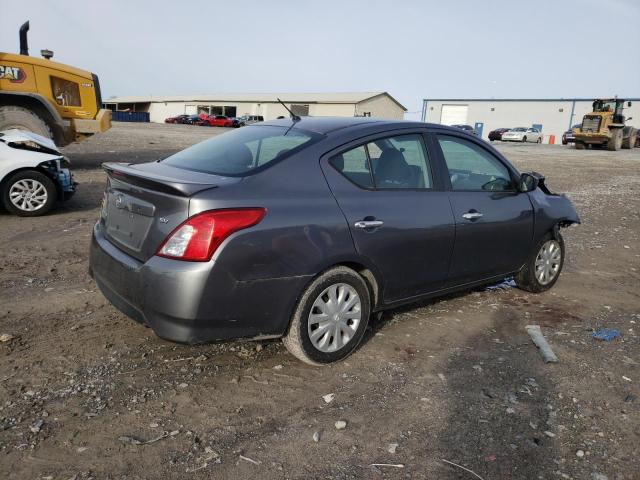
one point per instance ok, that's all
(6, 337)
(316, 436)
(393, 465)
(545, 349)
(137, 441)
(391, 448)
(250, 460)
(504, 285)
(328, 398)
(341, 425)
(463, 468)
(606, 334)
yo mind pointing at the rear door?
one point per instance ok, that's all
(494, 222)
(399, 216)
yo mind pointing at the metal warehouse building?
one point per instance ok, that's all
(373, 104)
(553, 116)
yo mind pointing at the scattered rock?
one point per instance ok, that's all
(6, 337)
(183, 385)
(37, 426)
(328, 398)
(391, 448)
(341, 425)
(81, 449)
(580, 453)
(549, 434)
(259, 347)
(316, 437)
(598, 476)
(278, 367)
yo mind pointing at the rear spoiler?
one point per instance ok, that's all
(181, 182)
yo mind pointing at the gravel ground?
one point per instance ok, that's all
(87, 393)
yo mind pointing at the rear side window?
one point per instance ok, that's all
(239, 152)
(398, 162)
(354, 165)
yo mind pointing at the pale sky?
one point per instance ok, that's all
(412, 49)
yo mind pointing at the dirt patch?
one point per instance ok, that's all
(456, 379)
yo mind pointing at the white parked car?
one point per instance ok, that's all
(522, 134)
(33, 173)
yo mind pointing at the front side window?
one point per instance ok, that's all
(237, 153)
(65, 92)
(473, 168)
(398, 162)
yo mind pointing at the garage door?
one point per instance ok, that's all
(454, 114)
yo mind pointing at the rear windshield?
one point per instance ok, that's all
(239, 152)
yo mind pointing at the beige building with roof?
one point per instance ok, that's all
(374, 104)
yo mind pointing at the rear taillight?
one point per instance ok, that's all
(196, 239)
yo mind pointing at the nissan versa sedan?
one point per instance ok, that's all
(303, 228)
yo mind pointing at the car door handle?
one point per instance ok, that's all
(471, 215)
(368, 224)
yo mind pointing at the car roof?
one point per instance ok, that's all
(325, 125)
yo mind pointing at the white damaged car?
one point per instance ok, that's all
(522, 134)
(33, 173)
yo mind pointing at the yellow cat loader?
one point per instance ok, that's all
(605, 126)
(49, 98)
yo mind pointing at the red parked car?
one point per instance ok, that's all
(219, 121)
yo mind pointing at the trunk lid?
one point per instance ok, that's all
(144, 203)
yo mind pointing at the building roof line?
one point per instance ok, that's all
(520, 99)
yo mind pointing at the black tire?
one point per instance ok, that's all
(630, 141)
(34, 175)
(539, 140)
(580, 145)
(615, 142)
(524, 139)
(526, 279)
(12, 116)
(297, 339)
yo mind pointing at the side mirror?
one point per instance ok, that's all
(629, 119)
(528, 182)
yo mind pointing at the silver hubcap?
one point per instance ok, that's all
(28, 195)
(334, 317)
(548, 262)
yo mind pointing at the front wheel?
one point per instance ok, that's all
(539, 140)
(524, 139)
(543, 266)
(330, 318)
(29, 193)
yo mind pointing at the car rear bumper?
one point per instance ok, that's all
(192, 302)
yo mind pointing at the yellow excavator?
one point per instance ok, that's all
(51, 99)
(605, 126)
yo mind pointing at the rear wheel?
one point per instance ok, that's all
(539, 140)
(524, 139)
(12, 116)
(630, 141)
(579, 145)
(544, 265)
(615, 141)
(330, 318)
(29, 193)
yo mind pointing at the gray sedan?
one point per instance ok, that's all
(302, 228)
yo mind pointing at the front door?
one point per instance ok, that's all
(494, 222)
(398, 219)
